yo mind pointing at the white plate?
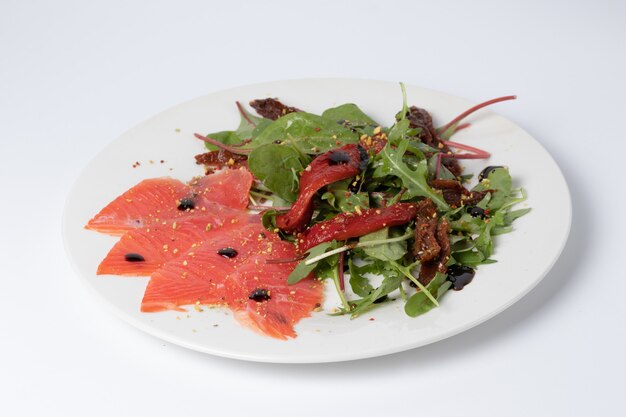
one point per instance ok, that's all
(524, 256)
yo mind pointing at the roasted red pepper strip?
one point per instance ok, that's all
(347, 225)
(332, 166)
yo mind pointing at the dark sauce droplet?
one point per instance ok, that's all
(186, 204)
(460, 276)
(476, 212)
(338, 157)
(364, 157)
(134, 257)
(260, 294)
(227, 252)
(488, 170)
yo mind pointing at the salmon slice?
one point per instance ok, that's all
(140, 252)
(144, 204)
(229, 187)
(261, 299)
(200, 274)
(154, 201)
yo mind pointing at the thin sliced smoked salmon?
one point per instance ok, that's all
(200, 246)
(156, 200)
(200, 274)
(160, 243)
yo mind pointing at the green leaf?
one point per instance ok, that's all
(350, 115)
(469, 258)
(398, 131)
(414, 181)
(341, 198)
(247, 124)
(390, 251)
(515, 214)
(302, 270)
(500, 180)
(227, 137)
(391, 281)
(483, 242)
(315, 134)
(277, 166)
(419, 303)
(444, 173)
(359, 283)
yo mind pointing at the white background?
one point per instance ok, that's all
(75, 75)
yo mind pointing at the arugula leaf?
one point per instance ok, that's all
(483, 242)
(314, 133)
(398, 131)
(359, 283)
(302, 270)
(419, 303)
(515, 214)
(277, 166)
(391, 282)
(390, 251)
(414, 181)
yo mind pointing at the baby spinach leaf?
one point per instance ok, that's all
(419, 303)
(350, 115)
(247, 124)
(277, 166)
(227, 137)
(314, 133)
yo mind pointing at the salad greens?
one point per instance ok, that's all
(382, 265)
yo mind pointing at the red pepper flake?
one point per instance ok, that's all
(372, 319)
(317, 129)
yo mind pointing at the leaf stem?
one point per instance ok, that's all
(466, 113)
(405, 107)
(340, 271)
(231, 149)
(407, 273)
(244, 114)
(357, 245)
(342, 296)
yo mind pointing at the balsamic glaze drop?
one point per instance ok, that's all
(227, 252)
(338, 157)
(186, 204)
(488, 170)
(460, 276)
(134, 257)
(476, 212)
(260, 294)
